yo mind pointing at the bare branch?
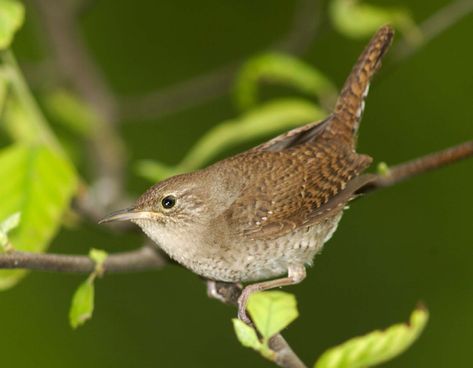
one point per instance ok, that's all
(208, 86)
(435, 25)
(142, 259)
(75, 64)
(192, 92)
(419, 166)
(305, 21)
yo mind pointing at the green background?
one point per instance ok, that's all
(406, 244)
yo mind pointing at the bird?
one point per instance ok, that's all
(260, 217)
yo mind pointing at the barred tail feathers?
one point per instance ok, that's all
(350, 103)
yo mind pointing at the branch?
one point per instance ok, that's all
(211, 85)
(285, 356)
(72, 59)
(142, 259)
(146, 258)
(419, 166)
(435, 25)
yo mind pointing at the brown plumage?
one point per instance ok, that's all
(269, 210)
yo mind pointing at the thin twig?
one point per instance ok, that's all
(437, 23)
(208, 86)
(142, 259)
(419, 166)
(74, 62)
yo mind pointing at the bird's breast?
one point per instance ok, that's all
(244, 260)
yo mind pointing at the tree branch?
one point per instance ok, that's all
(72, 59)
(211, 85)
(435, 25)
(146, 258)
(285, 356)
(419, 166)
(142, 259)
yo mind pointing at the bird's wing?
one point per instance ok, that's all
(294, 187)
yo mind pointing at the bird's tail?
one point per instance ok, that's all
(350, 103)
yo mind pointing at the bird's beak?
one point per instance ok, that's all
(127, 214)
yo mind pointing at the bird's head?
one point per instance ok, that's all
(181, 206)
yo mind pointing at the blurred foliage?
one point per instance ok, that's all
(38, 183)
(272, 117)
(11, 18)
(67, 109)
(6, 226)
(357, 19)
(282, 69)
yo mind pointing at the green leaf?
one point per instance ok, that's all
(268, 119)
(17, 122)
(70, 111)
(82, 305)
(34, 129)
(246, 334)
(98, 256)
(39, 183)
(383, 169)
(272, 311)
(376, 347)
(282, 69)
(12, 14)
(360, 20)
(3, 90)
(7, 225)
(248, 338)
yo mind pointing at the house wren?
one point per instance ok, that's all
(265, 213)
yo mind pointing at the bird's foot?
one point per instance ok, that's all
(212, 291)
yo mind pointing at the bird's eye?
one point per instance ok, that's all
(168, 202)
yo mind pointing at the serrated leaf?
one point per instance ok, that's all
(12, 14)
(268, 119)
(39, 183)
(82, 305)
(356, 19)
(272, 311)
(281, 69)
(376, 347)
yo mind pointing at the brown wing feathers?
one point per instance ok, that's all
(310, 172)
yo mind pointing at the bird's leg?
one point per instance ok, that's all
(295, 274)
(225, 292)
